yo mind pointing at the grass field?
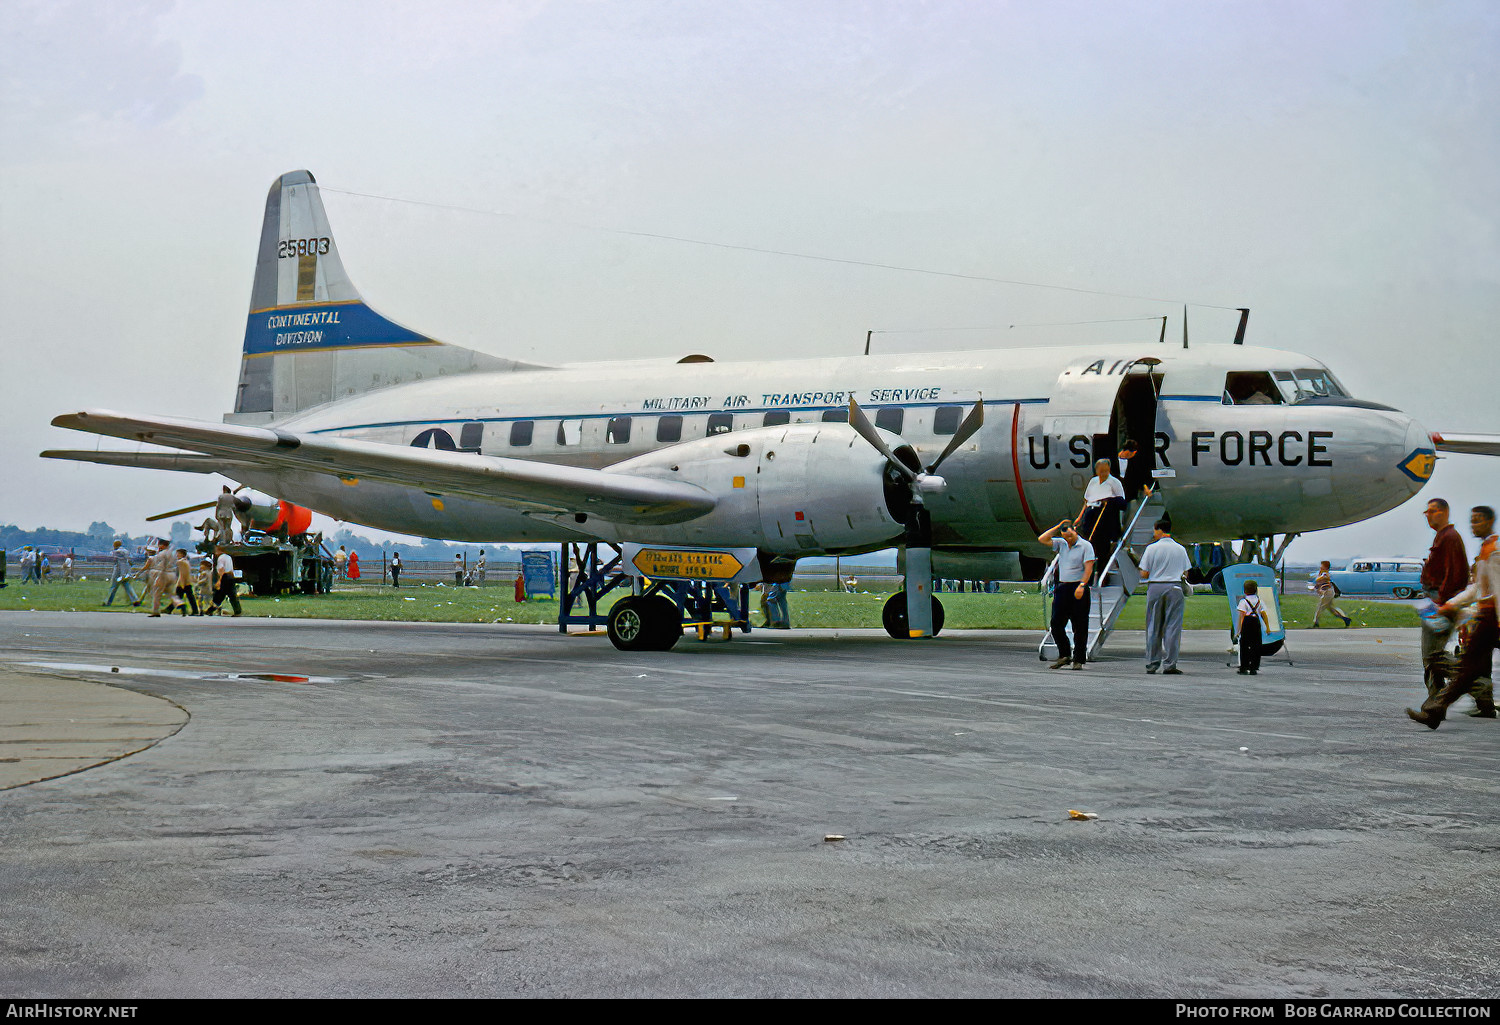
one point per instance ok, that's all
(433, 603)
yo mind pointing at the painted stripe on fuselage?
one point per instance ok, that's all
(652, 412)
(1015, 462)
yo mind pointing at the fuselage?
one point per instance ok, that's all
(1256, 441)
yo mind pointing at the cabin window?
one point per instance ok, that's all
(520, 433)
(569, 432)
(471, 437)
(720, 423)
(669, 429)
(1250, 388)
(836, 416)
(946, 419)
(618, 431)
(776, 418)
(890, 419)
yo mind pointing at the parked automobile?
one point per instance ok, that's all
(1397, 576)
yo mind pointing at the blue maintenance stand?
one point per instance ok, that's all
(705, 606)
(595, 578)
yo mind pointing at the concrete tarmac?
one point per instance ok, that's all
(453, 810)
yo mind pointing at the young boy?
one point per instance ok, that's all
(1250, 625)
(184, 584)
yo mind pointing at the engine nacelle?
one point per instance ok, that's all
(272, 515)
(794, 490)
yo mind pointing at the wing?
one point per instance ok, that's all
(183, 462)
(1472, 444)
(516, 483)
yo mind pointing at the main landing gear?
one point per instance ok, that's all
(894, 617)
(644, 623)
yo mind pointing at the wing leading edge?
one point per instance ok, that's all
(1470, 444)
(516, 483)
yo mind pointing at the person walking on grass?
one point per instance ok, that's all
(1328, 593)
(184, 583)
(224, 583)
(120, 575)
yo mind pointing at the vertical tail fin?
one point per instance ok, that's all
(310, 338)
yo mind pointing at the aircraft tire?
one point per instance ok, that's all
(631, 625)
(666, 620)
(893, 616)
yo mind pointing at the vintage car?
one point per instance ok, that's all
(1399, 576)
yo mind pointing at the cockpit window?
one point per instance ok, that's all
(1311, 383)
(1250, 388)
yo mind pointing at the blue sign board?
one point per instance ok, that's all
(1265, 579)
(539, 575)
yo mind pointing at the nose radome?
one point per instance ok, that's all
(1419, 456)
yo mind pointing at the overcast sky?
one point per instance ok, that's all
(1330, 165)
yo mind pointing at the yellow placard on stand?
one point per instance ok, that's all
(716, 565)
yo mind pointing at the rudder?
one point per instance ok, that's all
(310, 338)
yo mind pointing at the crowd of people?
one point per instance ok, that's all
(1451, 583)
(191, 585)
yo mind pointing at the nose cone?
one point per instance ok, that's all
(1419, 456)
(1388, 458)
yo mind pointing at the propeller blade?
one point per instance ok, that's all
(179, 512)
(972, 423)
(866, 430)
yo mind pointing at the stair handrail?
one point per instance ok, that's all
(1114, 557)
(1125, 535)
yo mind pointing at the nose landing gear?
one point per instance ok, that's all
(894, 616)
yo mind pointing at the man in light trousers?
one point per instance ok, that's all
(120, 575)
(1164, 564)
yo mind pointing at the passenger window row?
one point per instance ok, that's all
(617, 431)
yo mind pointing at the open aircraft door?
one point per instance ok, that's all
(1093, 409)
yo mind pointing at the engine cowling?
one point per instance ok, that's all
(272, 515)
(794, 490)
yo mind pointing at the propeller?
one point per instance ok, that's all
(191, 508)
(179, 512)
(917, 538)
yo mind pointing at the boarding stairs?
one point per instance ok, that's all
(1116, 584)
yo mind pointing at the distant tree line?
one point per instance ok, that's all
(100, 538)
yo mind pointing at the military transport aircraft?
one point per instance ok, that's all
(357, 417)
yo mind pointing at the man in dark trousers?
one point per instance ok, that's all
(1070, 593)
(1444, 574)
(1479, 650)
(223, 583)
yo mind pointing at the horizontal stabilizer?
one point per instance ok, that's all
(1469, 444)
(186, 462)
(515, 483)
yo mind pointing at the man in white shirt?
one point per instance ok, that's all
(1070, 593)
(1164, 564)
(1099, 519)
(224, 583)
